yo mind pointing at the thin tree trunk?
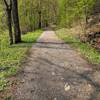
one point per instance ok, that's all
(40, 23)
(17, 31)
(9, 18)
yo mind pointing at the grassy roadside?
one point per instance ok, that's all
(85, 49)
(12, 56)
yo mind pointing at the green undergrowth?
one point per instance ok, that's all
(85, 49)
(12, 56)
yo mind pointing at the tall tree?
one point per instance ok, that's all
(17, 31)
(8, 5)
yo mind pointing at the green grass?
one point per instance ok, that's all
(12, 56)
(86, 50)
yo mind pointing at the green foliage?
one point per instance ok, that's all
(59, 12)
(12, 56)
(3, 84)
(74, 10)
(30, 38)
(34, 12)
(85, 49)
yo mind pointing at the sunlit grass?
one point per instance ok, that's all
(12, 56)
(85, 49)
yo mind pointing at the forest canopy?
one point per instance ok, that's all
(36, 14)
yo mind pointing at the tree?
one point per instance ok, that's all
(15, 15)
(9, 19)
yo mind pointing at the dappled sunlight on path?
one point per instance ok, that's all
(54, 71)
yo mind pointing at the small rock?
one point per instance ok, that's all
(62, 78)
(53, 73)
(55, 98)
(32, 90)
(67, 87)
(89, 85)
(23, 81)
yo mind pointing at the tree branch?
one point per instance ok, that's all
(6, 3)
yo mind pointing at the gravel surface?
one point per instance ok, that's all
(54, 71)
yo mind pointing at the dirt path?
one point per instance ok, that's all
(54, 71)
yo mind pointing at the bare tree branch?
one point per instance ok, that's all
(6, 3)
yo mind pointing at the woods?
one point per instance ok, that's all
(12, 15)
(75, 22)
(40, 14)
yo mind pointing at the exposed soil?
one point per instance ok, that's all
(54, 71)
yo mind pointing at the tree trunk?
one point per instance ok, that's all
(9, 18)
(40, 23)
(17, 31)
